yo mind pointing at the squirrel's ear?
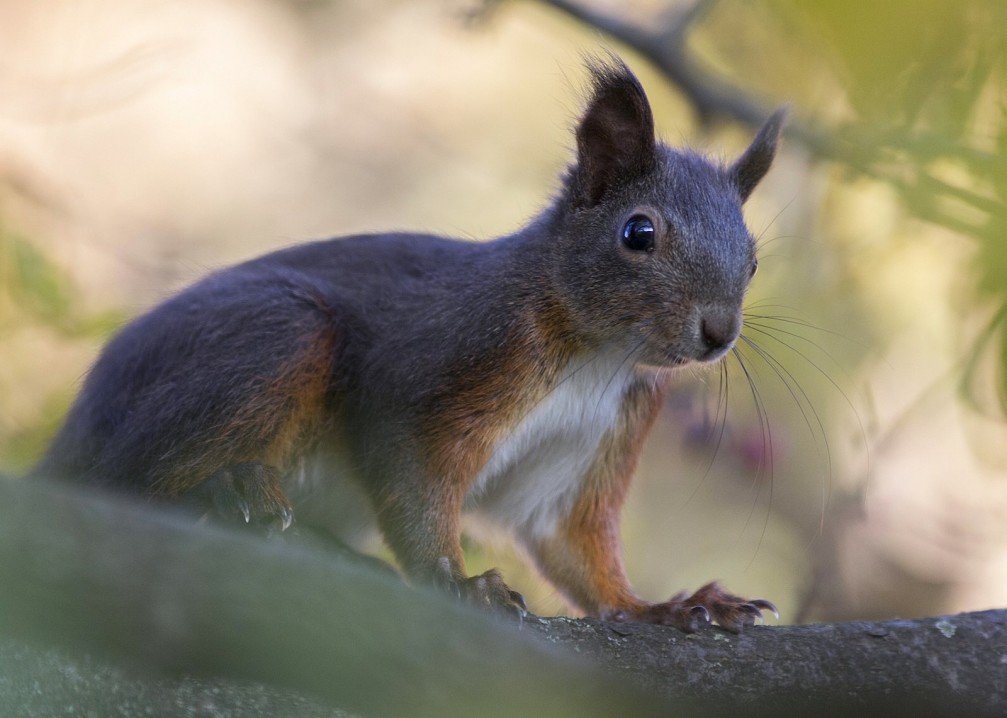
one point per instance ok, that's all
(752, 166)
(615, 138)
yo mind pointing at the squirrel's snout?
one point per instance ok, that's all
(717, 330)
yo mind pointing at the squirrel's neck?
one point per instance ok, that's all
(528, 283)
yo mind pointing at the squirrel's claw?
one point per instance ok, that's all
(710, 604)
(731, 612)
(251, 491)
(698, 616)
(486, 590)
(761, 604)
(518, 600)
(286, 517)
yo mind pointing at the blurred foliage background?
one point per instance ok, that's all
(145, 142)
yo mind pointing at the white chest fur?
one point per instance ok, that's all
(534, 472)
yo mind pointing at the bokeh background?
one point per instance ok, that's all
(146, 142)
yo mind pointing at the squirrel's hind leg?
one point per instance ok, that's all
(254, 421)
(249, 492)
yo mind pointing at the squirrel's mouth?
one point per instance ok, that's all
(665, 354)
(678, 352)
(715, 354)
(667, 361)
(710, 356)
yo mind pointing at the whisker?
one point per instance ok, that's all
(723, 402)
(797, 321)
(804, 405)
(759, 242)
(765, 466)
(770, 333)
(719, 419)
(794, 388)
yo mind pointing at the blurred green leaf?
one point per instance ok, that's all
(31, 281)
(925, 82)
(894, 57)
(40, 291)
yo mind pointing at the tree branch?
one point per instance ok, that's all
(713, 98)
(951, 665)
(665, 46)
(147, 589)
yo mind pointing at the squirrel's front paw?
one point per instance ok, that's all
(486, 590)
(710, 604)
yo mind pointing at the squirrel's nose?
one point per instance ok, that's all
(718, 330)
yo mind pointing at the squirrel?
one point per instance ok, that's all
(405, 379)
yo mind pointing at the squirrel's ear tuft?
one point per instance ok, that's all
(754, 163)
(615, 137)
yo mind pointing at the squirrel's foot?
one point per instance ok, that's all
(249, 492)
(486, 590)
(710, 604)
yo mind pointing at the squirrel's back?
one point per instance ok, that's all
(318, 314)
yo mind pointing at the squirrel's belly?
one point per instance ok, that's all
(536, 470)
(327, 496)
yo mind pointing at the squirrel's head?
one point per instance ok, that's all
(653, 252)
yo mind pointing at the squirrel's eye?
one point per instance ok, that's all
(638, 234)
(755, 268)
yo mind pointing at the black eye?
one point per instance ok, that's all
(755, 268)
(638, 234)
